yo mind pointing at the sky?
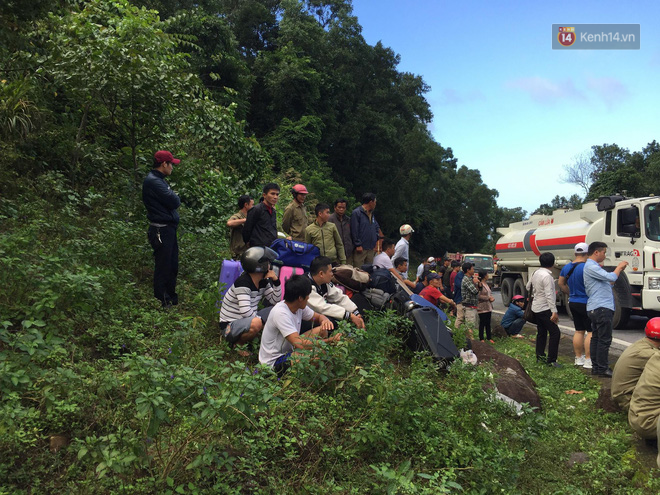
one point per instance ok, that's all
(510, 106)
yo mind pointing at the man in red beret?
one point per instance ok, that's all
(161, 203)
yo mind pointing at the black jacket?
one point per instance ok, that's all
(260, 228)
(159, 199)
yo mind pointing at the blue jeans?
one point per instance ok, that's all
(601, 338)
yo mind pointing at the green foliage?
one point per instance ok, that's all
(617, 171)
(574, 202)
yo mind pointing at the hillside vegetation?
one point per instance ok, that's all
(101, 391)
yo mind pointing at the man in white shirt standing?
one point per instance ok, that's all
(402, 249)
(281, 339)
(544, 307)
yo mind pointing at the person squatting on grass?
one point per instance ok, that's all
(240, 319)
(513, 320)
(327, 299)
(281, 340)
(631, 363)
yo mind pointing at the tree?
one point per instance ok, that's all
(114, 60)
(574, 202)
(580, 172)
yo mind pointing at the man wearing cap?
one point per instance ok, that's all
(631, 363)
(424, 265)
(432, 291)
(161, 203)
(571, 281)
(294, 221)
(402, 249)
(600, 306)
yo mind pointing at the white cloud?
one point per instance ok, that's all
(608, 89)
(543, 90)
(452, 96)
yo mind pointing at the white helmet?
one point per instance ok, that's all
(406, 229)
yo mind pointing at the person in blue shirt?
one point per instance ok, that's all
(571, 282)
(513, 320)
(600, 306)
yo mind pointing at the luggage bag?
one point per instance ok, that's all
(285, 274)
(294, 253)
(431, 334)
(230, 271)
(420, 301)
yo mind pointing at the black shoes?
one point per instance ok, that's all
(603, 374)
(555, 364)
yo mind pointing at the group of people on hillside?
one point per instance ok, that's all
(345, 240)
(312, 306)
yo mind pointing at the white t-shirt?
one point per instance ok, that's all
(280, 324)
(382, 260)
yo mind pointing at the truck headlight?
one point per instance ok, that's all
(654, 283)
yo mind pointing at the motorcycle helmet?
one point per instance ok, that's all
(258, 259)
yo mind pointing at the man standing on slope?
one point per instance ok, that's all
(161, 203)
(365, 231)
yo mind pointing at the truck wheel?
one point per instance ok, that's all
(621, 314)
(519, 288)
(507, 291)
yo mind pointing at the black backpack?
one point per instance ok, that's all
(382, 279)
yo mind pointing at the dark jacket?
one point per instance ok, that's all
(260, 228)
(159, 199)
(363, 231)
(344, 229)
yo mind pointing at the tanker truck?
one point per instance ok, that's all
(629, 227)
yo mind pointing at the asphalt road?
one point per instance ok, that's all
(620, 338)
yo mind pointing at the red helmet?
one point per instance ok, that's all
(652, 329)
(299, 189)
(517, 297)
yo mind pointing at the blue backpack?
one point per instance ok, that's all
(294, 253)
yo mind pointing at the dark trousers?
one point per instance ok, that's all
(601, 338)
(484, 323)
(545, 326)
(516, 327)
(166, 257)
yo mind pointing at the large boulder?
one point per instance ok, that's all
(499, 332)
(511, 378)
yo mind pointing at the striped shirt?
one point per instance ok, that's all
(242, 299)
